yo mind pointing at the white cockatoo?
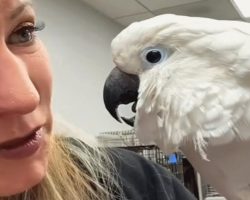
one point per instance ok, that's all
(190, 78)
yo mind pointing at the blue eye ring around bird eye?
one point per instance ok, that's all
(154, 55)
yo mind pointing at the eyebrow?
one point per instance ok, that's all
(17, 11)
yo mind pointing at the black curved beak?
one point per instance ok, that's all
(120, 88)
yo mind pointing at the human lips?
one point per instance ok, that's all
(22, 147)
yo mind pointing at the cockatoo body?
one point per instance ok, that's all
(193, 93)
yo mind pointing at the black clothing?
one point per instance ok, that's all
(141, 179)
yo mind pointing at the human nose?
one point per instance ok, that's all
(18, 94)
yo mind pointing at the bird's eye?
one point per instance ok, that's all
(152, 56)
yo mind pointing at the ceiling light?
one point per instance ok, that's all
(243, 8)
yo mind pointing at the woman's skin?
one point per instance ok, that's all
(25, 98)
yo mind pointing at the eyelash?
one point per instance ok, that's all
(26, 29)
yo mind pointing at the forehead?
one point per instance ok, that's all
(8, 5)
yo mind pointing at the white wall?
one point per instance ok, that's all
(78, 39)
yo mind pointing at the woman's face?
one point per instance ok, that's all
(25, 95)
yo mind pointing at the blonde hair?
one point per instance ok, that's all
(76, 172)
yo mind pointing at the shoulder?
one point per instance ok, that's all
(139, 178)
(142, 179)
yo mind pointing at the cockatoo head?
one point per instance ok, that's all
(184, 73)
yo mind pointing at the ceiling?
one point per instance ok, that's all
(127, 11)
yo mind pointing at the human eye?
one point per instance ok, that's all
(25, 33)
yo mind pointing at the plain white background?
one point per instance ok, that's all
(78, 40)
